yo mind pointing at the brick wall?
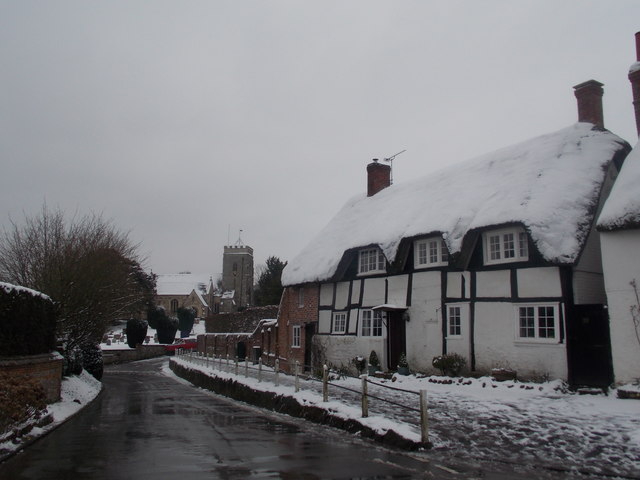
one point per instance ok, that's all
(45, 368)
(296, 310)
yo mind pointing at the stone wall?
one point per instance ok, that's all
(141, 352)
(45, 368)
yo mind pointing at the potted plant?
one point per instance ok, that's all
(403, 365)
(374, 363)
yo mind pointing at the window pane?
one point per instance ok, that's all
(433, 252)
(380, 261)
(509, 245)
(422, 253)
(546, 322)
(527, 322)
(455, 327)
(524, 248)
(377, 324)
(366, 323)
(444, 252)
(494, 247)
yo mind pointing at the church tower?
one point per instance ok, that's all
(237, 274)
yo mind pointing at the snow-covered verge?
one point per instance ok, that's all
(77, 391)
(537, 425)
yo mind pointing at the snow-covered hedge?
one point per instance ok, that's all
(27, 321)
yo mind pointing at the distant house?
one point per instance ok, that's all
(495, 259)
(619, 226)
(185, 290)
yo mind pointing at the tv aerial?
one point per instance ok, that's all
(390, 160)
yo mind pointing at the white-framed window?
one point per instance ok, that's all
(339, 322)
(371, 260)
(454, 320)
(506, 245)
(537, 323)
(430, 252)
(372, 323)
(295, 339)
(301, 297)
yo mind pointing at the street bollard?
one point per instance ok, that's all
(325, 383)
(260, 370)
(277, 367)
(227, 360)
(424, 417)
(365, 399)
(297, 382)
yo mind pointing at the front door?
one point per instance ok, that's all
(589, 347)
(396, 338)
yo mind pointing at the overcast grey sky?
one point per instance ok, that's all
(183, 121)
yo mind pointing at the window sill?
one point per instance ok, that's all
(538, 342)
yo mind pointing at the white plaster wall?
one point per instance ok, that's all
(354, 321)
(621, 263)
(355, 291)
(539, 282)
(460, 344)
(588, 281)
(454, 284)
(324, 321)
(496, 346)
(341, 350)
(342, 295)
(326, 294)
(397, 292)
(373, 292)
(424, 330)
(496, 284)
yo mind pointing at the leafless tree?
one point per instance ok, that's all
(87, 266)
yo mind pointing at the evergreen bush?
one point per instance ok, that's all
(92, 359)
(449, 364)
(166, 328)
(72, 361)
(373, 359)
(136, 331)
(186, 318)
(27, 321)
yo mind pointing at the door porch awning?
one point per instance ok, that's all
(390, 307)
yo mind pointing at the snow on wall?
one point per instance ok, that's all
(549, 184)
(622, 208)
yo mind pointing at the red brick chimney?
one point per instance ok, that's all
(589, 95)
(634, 78)
(378, 177)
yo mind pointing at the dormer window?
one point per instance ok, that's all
(430, 252)
(506, 245)
(371, 260)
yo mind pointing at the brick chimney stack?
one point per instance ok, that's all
(589, 95)
(378, 177)
(634, 78)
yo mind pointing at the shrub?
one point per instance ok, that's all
(22, 399)
(449, 364)
(166, 329)
(27, 321)
(186, 318)
(402, 362)
(373, 359)
(136, 331)
(92, 359)
(360, 364)
(72, 361)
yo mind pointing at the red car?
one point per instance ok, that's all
(183, 343)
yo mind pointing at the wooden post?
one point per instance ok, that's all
(227, 359)
(325, 383)
(246, 366)
(277, 367)
(259, 370)
(236, 369)
(297, 373)
(365, 398)
(424, 417)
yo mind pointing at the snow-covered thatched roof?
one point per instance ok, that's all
(550, 184)
(622, 208)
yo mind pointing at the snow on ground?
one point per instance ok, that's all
(76, 392)
(198, 328)
(541, 425)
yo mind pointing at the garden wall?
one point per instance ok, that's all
(45, 368)
(141, 352)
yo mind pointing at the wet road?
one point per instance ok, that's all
(148, 425)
